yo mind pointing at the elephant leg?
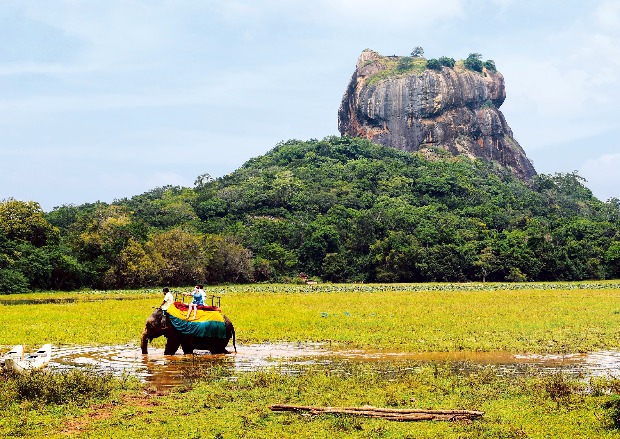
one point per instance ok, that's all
(171, 347)
(187, 344)
(172, 343)
(218, 346)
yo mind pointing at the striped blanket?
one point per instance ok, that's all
(209, 321)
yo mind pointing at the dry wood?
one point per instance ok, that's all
(385, 413)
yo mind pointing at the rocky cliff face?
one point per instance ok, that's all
(413, 109)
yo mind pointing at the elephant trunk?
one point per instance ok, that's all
(144, 344)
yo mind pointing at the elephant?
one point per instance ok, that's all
(157, 325)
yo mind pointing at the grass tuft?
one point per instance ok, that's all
(78, 387)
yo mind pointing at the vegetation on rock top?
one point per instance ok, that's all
(394, 66)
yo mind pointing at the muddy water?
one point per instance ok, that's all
(168, 371)
(173, 370)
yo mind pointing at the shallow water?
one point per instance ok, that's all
(169, 371)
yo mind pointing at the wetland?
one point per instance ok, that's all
(539, 360)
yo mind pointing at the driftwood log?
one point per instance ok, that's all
(385, 413)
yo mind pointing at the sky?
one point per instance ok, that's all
(101, 100)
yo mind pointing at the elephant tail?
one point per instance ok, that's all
(234, 345)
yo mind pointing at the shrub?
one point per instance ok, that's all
(612, 405)
(76, 387)
(404, 63)
(13, 282)
(446, 62)
(515, 275)
(473, 62)
(559, 388)
(489, 64)
(433, 64)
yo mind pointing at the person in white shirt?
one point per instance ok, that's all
(168, 300)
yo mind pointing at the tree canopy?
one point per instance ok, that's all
(338, 209)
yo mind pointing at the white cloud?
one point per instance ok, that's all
(602, 175)
(565, 88)
(339, 13)
(191, 86)
(389, 13)
(552, 89)
(608, 14)
(110, 31)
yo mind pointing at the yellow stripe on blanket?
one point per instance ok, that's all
(201, 315)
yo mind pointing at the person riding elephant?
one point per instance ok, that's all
(211, 332)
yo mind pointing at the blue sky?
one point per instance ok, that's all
(108, 99)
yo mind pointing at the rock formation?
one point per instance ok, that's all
(415, 109)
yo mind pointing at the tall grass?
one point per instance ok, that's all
(224, 403)
(218, 406)
(546, 318)
(531, 320)
(78, 387)
(35, 403)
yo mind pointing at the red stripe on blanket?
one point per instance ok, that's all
(184, 306)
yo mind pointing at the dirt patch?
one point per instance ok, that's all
(100, 412)
(95, 413)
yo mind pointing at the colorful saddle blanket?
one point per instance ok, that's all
(209, 321)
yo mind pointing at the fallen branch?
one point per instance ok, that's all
(385, 413)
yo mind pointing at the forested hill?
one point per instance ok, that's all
(345, 209)
(338, 209)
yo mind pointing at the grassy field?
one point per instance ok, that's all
(223, 403)
(537, 318)
(217, 406)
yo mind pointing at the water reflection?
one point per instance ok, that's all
(162, 371)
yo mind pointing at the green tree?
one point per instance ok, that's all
(489, 64)
(395, 258)
(98, 239)
(612, 257)
(34, 263)
(447, 62)
(486, 262)
(282, 260)
(321, 240)
(417, 52)
(163, 207)
(25, 220)
(13, 282)
(139, 266)
(433, 64)
(180, 256)
(227, 260)
(67, 272)
(442, 263)
(341, 209)
(474, 62)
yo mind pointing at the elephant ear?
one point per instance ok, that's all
(160, 316)
(157, 317)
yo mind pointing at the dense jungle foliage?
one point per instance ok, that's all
(338, 209)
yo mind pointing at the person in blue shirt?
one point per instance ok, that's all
(196, 300)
